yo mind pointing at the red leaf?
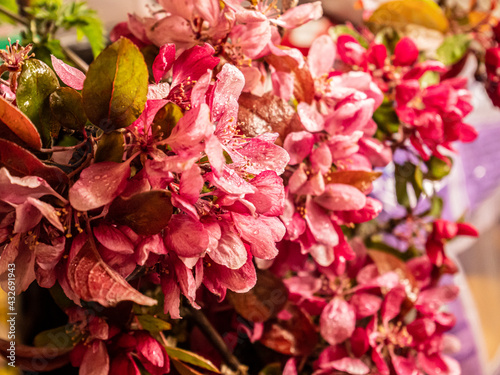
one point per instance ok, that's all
(296, 336)
(269, 113)
(93, 280)
(21, 162)
(19, 124)
(264, 301)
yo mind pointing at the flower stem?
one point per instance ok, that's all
(73, 57)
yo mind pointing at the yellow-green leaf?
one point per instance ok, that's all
(399, 13)
(116, 87)
(152, 324)
(191, 358)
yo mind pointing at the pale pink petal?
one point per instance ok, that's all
(193, 128)
(230, 251)
(321, 56)
(170, 29)
(299, 15)
(95, 360)
(113, 239)
(321, 159)
(15, 190)
(261, 233)
(230, 182)
(191, 184)
(320, 224)
(98, 185)
(310, 117)
(251, 38)
(230, 83)
(208, 10)
(72, 77)
(341, 197)
(186, 236)
(283, 84)
(290, 367)
(298, 145)
(270, 196)
(172, 295)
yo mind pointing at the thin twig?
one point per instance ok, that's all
(211, 333)
(79, 63)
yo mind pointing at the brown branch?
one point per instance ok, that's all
(214, 337)
(73, 57)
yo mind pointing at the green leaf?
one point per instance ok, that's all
(184, 369)
(402, 175)
(417, 181)
(191, 358)
(152, 324)
(145, 213)
(62, 337)
(36, 82)
(67, 108)
(438, 169)
(116, 87)
(271, 369)
(336, 31)
(94, 32)
(166, 119)
(110, 147)
(453, 49)
(386, 118)
(436, 206)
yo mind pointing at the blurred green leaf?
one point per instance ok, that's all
(336, 31)
(453, 49)
(13, 7)
(438, 169)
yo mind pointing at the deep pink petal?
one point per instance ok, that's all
(163, 61)
(186, 236)
(320, 224)
(194, 63)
